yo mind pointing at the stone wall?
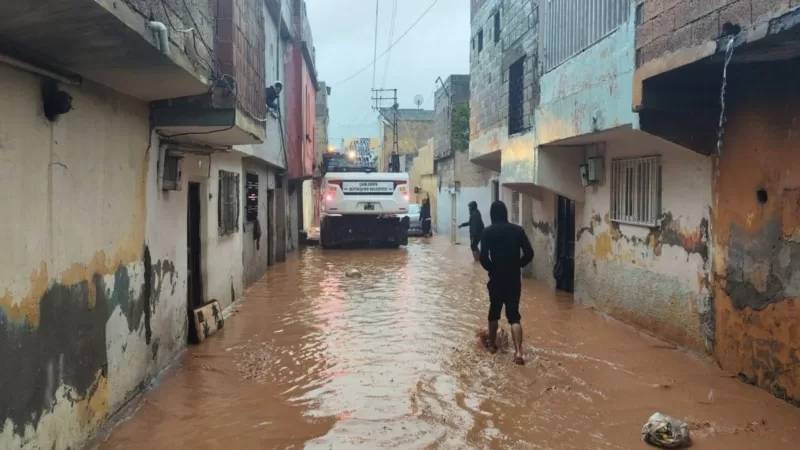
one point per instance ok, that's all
(489, 90)
(665, 26)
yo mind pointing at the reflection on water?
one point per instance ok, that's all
(389, 360)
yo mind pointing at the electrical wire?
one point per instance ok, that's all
(170, 136)
(375, 46)
(391, 37)
(405, 33)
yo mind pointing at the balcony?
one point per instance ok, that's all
(234, 112)
(107, 42)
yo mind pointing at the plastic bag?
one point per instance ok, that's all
(666, 432)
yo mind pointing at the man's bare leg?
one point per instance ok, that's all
(516, 335)
(492, 344)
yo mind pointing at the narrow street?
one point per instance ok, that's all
(313, 358)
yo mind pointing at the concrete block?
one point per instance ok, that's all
(737, 13)
(706, 29)
(763, 10)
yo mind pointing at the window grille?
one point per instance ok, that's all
(515, 207)
(228, 203)
(568, 27)
(497, 27)
(251, 197)
(636, 190)
(516, 96)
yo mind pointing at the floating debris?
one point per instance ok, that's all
(353, 273)
(665, 432)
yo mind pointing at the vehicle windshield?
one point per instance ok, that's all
(413, 208)
(339, 162)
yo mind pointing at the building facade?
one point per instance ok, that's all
(155, 155)
(644, 193)
(742, 122)
(459, 181)
(414, 128)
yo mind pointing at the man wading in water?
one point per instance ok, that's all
(505, 249)
(475, 224)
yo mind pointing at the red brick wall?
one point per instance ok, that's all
(240, 42)
(669, 25)
(300, 113)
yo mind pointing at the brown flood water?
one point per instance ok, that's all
(314, 359)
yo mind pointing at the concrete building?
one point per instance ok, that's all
(607, 148)
(139, 154)
(423, 179)
(414, 128)
(751, 244)
(459, 181)
(264, 192)
(311, 194)
(301, 85)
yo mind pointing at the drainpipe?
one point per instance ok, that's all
(22, 65)
(162, 35)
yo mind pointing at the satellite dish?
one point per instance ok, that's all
(418, 100)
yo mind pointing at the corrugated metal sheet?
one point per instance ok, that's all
(568, 27)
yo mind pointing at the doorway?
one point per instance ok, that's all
(194, 295)
(453, 218)
(270, 228)
(495, 190)
(564, 270)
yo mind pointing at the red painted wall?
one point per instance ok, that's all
(300, 114)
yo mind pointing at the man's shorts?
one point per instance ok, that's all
(507, 295)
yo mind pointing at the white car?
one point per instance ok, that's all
(414, 222)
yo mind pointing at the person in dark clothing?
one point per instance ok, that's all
(505, 250)
(475, 224)
(425, 216)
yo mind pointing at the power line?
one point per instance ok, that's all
(375, 45)
(405, 33)
(391, 37)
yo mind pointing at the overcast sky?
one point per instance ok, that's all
(343, 36)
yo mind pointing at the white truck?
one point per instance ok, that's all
(363, 207)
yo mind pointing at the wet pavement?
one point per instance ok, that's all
(316, 359)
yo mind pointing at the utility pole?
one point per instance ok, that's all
(379, 97)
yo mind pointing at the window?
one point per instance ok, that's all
(251, 197)
(636, 190)
(515, 207)
(480, 40)
(228, 203)
(497, 27)
(516, 97)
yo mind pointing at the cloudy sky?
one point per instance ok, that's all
(343, 36)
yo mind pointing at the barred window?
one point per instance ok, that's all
(497, 27)
(515, 208)
(516, 97)
(228, 202)
(251, 197)
(636, 190)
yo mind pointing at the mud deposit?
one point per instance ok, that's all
(316, 359)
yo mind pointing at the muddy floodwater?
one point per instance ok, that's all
(314, 358)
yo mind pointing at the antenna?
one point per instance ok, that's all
(419, 100)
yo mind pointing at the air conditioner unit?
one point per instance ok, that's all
(171, 172)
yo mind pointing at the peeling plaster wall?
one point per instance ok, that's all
(542, 234)
(656, 278)
(757, 244)
(85, 313)
(222, 255)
